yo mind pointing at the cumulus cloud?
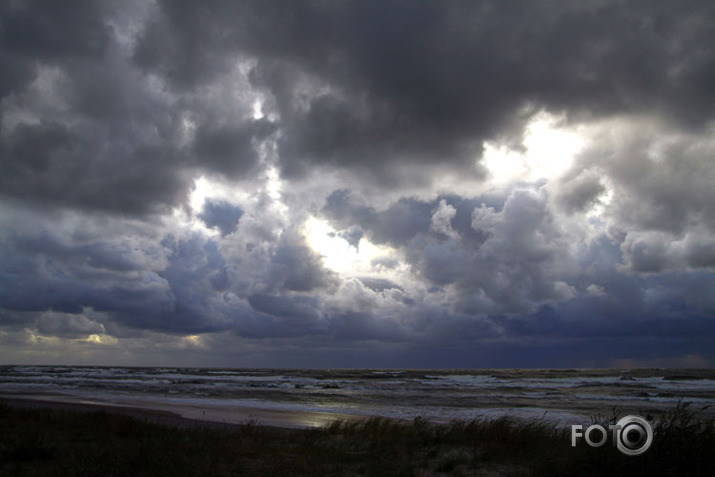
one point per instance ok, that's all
(161, 163)
(442, 219)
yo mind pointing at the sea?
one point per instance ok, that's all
(315, 397)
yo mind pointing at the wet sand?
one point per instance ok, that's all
(184, 415)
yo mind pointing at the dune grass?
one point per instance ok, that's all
(49, 442)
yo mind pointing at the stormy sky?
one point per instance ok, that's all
(358, 183)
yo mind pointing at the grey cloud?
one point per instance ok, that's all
(68, 325)
(297, 267)
(407, 218)
(394, 94)
(88, 130)
(31, 146)
(701, 254)
(37, 32)
(285, 306)
(289, 315)
(361, 86)
(655, 187)
(192, 302)
(86, 150)
(201, 291)
(379, 284)
(647, 252)
(396, 225)
(180, 43)
(363, 326)
(662, 177)
(692, 293)
(442, 219)
(110, 113)
(352, 235)
(657, 252)
(16, 73)
(48, 30)
(65, 174)
(121, 255)
(68, 278)
(545, 321)
(505, 258)
(580, 193)
(231, 151)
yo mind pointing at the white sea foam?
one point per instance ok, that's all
(556, 396)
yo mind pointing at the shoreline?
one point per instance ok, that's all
(230, 413)
(153, 416)
(181, 417)
(47, 438)
(302, 399)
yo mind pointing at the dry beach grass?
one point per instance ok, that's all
(47, 439)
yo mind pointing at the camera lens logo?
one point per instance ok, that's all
(634, 435)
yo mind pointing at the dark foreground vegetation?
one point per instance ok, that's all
(51, 442)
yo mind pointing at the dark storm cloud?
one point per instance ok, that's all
(32, 147)
(365, 84)
(296, 267)
(48, 164)
(353, 112)
(137, 279)
(581, 192)
(396, 225)
(184, 295)
(230, 151)
(663, 311)
(664, 177)
(365, 326)
(112, 255)
(49, 270)
(86, 129)
(288, 316)
(87, 140)
(655, 186)
(47, 30)
(68, 325)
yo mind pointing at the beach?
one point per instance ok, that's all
(295, 398)
(88, 420)
(182, 415)
(47, 438)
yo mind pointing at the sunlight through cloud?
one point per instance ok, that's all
(549, 152)
(337, 253)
